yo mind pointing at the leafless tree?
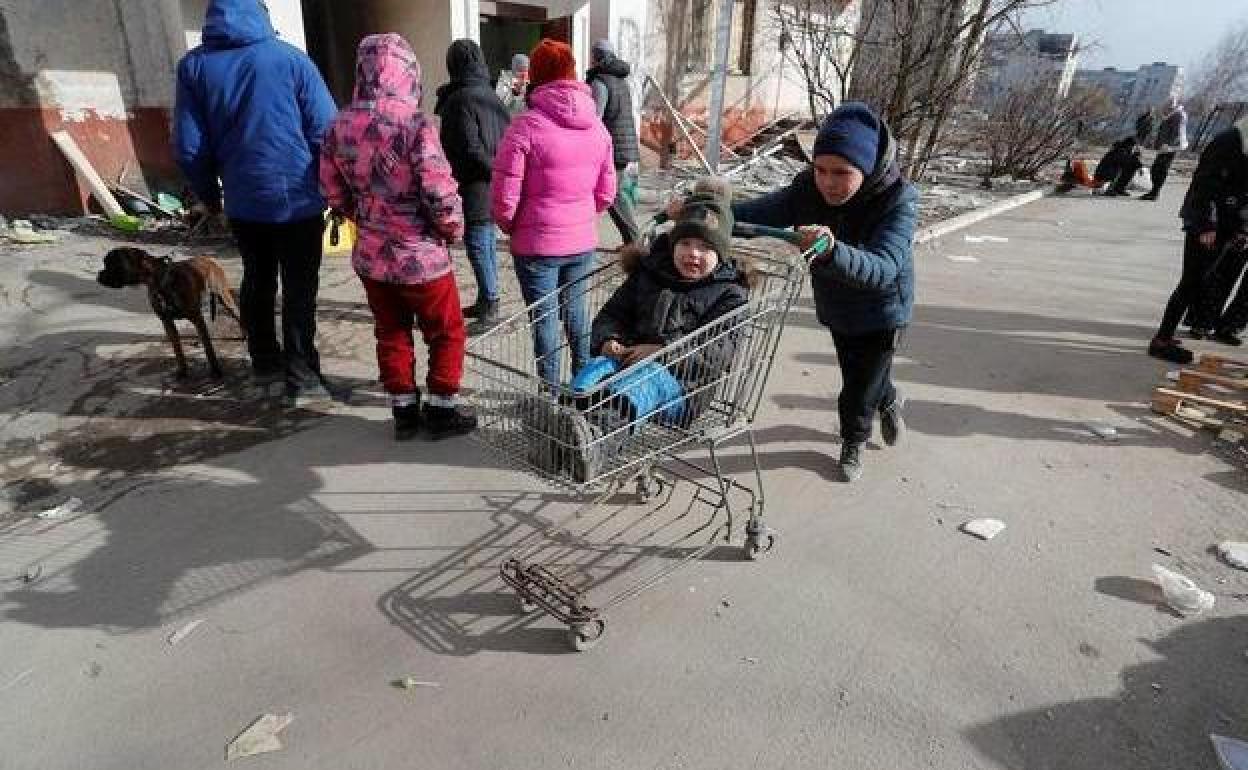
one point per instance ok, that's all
(1223, 75)
(1030, 129)
(914, 60)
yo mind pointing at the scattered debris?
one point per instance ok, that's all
(984, 529)
(31, 574)
(1181, 593)
(260, 737)
(725, 602)
(412, 683)
(64, 509)
(1162, 551)
(1156, 687)
(1232, 754)
(183, 632)
(1234, 554)
(751, 661)
(985, 239)
(23, 231)
(961, 258)
(1103, 431)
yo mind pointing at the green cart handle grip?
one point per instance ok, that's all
(747, 230)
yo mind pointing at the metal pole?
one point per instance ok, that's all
(723, 38)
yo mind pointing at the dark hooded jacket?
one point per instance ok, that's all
(252, 111)
(613, 72)
(656, 306)
(1218, 196)
(473, 122)
(865, 283)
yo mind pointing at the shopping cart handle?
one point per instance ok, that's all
(746, 230)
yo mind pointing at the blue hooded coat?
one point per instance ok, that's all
(251, 110)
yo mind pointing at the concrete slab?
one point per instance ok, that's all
(328, 561)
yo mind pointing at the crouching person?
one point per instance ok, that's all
(382, 165)
(687, 280)
(856, 197)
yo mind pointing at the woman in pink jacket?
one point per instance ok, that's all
(553, 176)
(382, 165)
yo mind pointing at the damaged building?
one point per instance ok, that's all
(103, 71)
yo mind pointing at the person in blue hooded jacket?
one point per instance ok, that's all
(856, 196)
(250, 116)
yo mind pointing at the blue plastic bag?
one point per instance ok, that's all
(647, 388)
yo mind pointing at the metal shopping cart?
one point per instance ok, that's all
(644, 449)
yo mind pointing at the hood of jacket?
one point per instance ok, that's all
(465, 62)
(236, 23)
(386, 68)
(887, 171)
(568, 103)
(611, 65)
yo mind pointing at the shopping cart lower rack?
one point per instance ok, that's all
(658, 429)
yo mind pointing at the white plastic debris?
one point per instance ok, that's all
(1103, 431)
(260, 737)
(183, 632)
(23, 231)
(984, 529)
(1232, 754)
(1173, 375)
(64, 509)
(412, 683)
(1234, 554)
(1181, 593)
(961, 258)
(750, 660)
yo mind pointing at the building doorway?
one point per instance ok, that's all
(511, 28)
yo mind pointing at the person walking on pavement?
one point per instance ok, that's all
(856, 197)
(513, 90)
(1171, 139)
(553, 176)
(251, 111)
(1214, 223)
(383, 167)
(1144, 126)
(473, 122)
(613, 98)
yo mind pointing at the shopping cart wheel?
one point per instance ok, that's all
(585, 636)
(759, 545)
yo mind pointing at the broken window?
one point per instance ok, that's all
(703, 18)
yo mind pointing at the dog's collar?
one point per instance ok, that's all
(166, 299)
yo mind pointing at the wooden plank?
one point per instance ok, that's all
(1192, 380)
(1220, 364)
(99, 188)
(1236, 407)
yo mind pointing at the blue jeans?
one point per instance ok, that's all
(479, 242)
(539, 277)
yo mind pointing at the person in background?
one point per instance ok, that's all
(383, 167)
(251, 111)
(553, 175)
(1144, 126)
(1118, 167)
(473, 122)
(855, 196)
(513, 86)
(1214, 222)
(613, 98)
(1171, 139)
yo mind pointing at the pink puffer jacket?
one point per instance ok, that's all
(382, 165)
(554, 174)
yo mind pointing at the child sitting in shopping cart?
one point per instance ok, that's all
(685, 281)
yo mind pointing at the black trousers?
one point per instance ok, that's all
(1160, 170)
(1219, 283)
(621, 211)
(867, 375)
(1197, 261)
(291, 250)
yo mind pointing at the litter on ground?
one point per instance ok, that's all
(1103, 431)
(1181, 592)
(961, 258)
(1234, 554)
(984, 529)
(412, 683)
(183, 632)
(260, 737)
(72, 505)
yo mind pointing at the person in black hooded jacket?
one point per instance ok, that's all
(473, 122)
(856, 198)
(608, 78)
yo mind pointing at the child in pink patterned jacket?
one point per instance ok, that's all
(383, 166)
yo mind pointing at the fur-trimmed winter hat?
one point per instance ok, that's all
(551, 61)
(707, 214)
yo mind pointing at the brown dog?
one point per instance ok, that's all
(176, 290)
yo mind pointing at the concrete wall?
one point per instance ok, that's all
(99, 69)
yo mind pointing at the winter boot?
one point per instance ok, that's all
(892, 425)
(407, 419)
(448, 421)
(851, 461)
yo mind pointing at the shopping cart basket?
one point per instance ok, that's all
(639, 426)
